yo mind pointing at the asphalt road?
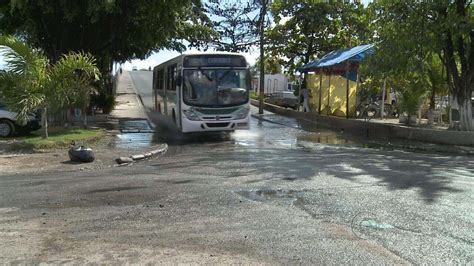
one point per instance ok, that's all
(284, 192)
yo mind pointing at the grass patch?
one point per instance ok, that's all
(58, 138)
(253, 95)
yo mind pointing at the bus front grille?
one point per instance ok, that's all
(217, 124)
(216, 117)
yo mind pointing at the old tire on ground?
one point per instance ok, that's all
(7, 128)
(81, 154)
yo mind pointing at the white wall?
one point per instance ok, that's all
(273, 83)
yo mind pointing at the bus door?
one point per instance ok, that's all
(179, 85)
(165, 91)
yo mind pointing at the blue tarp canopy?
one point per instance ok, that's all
(335, 62)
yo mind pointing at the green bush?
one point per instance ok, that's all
(103, 101)
(409, 101)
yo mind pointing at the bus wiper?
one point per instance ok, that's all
(226, 73)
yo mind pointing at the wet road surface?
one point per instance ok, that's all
(284, 192)
(398, 199)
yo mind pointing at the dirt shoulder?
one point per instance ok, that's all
(23, 162)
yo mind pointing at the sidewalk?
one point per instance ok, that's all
(396, 122)
(128, 104)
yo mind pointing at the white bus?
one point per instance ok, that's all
(204, 91)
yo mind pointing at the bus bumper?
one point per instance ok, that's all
(215, 125)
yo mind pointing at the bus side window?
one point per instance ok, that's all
(171, 78)
(161, 74)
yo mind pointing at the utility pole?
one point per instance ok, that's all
(382, 105)
(263, 12)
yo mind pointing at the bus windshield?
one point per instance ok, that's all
(215, 87)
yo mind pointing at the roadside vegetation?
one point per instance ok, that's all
(58, 138)
(423, 49)
(30, 82)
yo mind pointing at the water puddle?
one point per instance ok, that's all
(364, 225)
(374, 224)
(287, 133)
(135, 126)
(135, 134)
(133, 140)
(325, 137)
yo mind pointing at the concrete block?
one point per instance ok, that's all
(123, 160)
(138, 157)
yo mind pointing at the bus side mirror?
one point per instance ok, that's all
(179, 79)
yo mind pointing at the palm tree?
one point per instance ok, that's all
(29, 82)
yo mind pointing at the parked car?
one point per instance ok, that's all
(283, 99)
(9, 125)
(134, 68)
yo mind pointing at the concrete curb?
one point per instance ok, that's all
(141, 156)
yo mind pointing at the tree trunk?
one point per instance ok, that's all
(84, 119)
(44, 123)
(432, 107)
(465, 115)
(84, 116)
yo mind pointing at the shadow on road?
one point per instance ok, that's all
(394, 170)
(267, 158)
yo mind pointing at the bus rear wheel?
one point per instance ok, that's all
(174, 118)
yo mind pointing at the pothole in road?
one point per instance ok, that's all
(116, 189)
(268, 195)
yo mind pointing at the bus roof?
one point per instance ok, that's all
(181, 56)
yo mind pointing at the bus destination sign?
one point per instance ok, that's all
(214, 61)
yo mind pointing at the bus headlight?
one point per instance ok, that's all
(191, 114)
(242, 113)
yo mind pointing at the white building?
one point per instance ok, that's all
(273, 83)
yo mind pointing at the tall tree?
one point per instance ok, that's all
(234, 23)
(410, 33)
(308, 29)
(115, 30)
(272, 66)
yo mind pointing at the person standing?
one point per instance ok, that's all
(305, 94)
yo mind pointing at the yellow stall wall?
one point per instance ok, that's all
(336, 92)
